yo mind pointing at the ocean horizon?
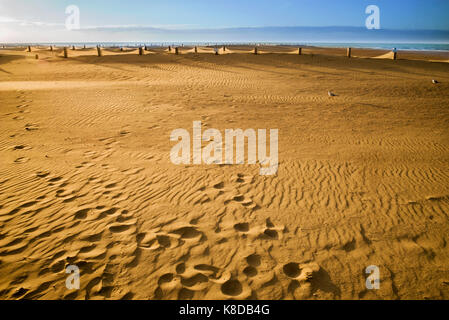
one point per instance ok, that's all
(443, 47)
(357, 37)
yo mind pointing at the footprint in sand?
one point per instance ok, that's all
(21, 160)
(302, 273)
(219, 186)
(56, 179)
(242, 227)
(181, 268)
(188, 233)
(31, 127)
(232, 288)
(208, 270)
(119, 228)
(239, 178)
(291, 270)
(243, 201)
(82, 214)
(185, 294)
(242, 179)
(253, 261)
(195, 280)
(250, 271)
(271, 232)
(21, 147)
(154, 242)
(111, 185)
(168, 277)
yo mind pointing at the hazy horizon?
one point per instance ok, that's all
(292, 34)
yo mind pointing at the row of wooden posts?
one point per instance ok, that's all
(349, 52)
(141, 50)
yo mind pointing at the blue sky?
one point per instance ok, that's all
(28, 20)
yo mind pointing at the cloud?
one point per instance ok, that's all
(27, 23)
(128, 27)
(8, 20)
(125, 27)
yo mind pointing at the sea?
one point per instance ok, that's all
(373, 45)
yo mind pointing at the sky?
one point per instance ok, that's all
(112, 20)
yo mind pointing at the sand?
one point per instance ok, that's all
(86, 177)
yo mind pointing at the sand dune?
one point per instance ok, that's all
(86, 178)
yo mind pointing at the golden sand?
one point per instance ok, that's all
(86, 177)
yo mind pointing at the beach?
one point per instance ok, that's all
(86, 177)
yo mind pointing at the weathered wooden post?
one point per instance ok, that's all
(51, 48)
(169, 48)
(348, 52)
(255, 50)
(300, 51)
(176, 50)
(196, 49)
(146, 48)
(29, 48)
(224, 49)
(121, 49)
(65, 53)
(99, 51)
(73, 47)
(140, 51)
(37, 57)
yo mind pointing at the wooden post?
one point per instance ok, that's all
(84, 47)
(176, 50)
(140, 51)
(99, 51)
(348, 52)
(73, 47)
(36, 56)
(29, 48)
(224, 49)
(65, 53)
(196, 49)
(146, 48)
(300, 51)
(255, 50)
(121, 49)
(51, 48)
(169, 48)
